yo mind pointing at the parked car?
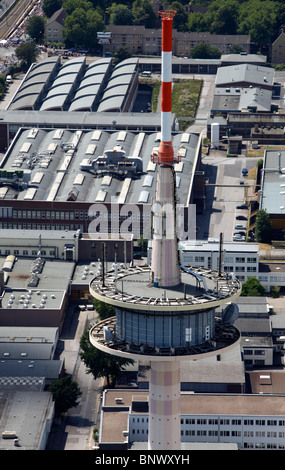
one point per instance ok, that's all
(242, 206)
(239, 233)
(238, 238)
(237, 226)
(241, 217)
(244, 172)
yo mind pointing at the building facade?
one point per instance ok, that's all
(250, 421)
(239, 259)
(140, 40)
(278, 49)
(54, 26)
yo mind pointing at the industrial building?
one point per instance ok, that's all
(66, 245)
(233, 100)
(99, 175)
(255, 421)
(245, 75)
(272, 193)
(75, 85)
(26, 419)
(36, 287)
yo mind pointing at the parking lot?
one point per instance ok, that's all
(225, 191)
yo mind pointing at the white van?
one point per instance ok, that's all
(9, 79)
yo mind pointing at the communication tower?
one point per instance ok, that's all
(165, 313)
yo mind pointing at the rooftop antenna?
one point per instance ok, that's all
(103, 264)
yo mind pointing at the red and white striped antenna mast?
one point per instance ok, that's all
(165, 260)
(165, 153)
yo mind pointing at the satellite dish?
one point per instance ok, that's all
(230, 314)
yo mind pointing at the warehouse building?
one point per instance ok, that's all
(75, 85)
(93, 181)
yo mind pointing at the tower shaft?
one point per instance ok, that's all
(164, 406)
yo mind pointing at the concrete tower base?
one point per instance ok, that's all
(164, 406)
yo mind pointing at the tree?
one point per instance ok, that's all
(27, 53)
(81, 28)
(181, 17)
(205, 51)
(197, 22)
(65, 393)
(258, 18)
(100, 364)
(252, 288)
(262, 227)
(235, 49)
(274, 291)
(104, 310)
(142, 242)
(71, 5)
(120, 14)
(36, 28)
(51, 6)
(143, 13)
(122, 53)
(224, 15)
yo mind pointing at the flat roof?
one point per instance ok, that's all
(11, 233)
(270, 268)
(48, 293)
(207, 372)
(273, 182)
(238, 99)
(267, 381)
(47, 153)
(210, 404)
(18, 409)
(82, 119)
(22, 370)
(257, 341)
(243, 57)
(229, 247)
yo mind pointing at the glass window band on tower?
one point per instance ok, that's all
(165, 330)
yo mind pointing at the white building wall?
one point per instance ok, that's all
(248, 432)
(243, 263)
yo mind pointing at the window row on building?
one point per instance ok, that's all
(224, 422)
(248, 433)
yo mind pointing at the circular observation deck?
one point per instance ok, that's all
(131, 288)
(149, 310)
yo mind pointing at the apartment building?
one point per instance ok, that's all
(140, 40)
(54, 26)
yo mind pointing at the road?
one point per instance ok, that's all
(74, 431)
